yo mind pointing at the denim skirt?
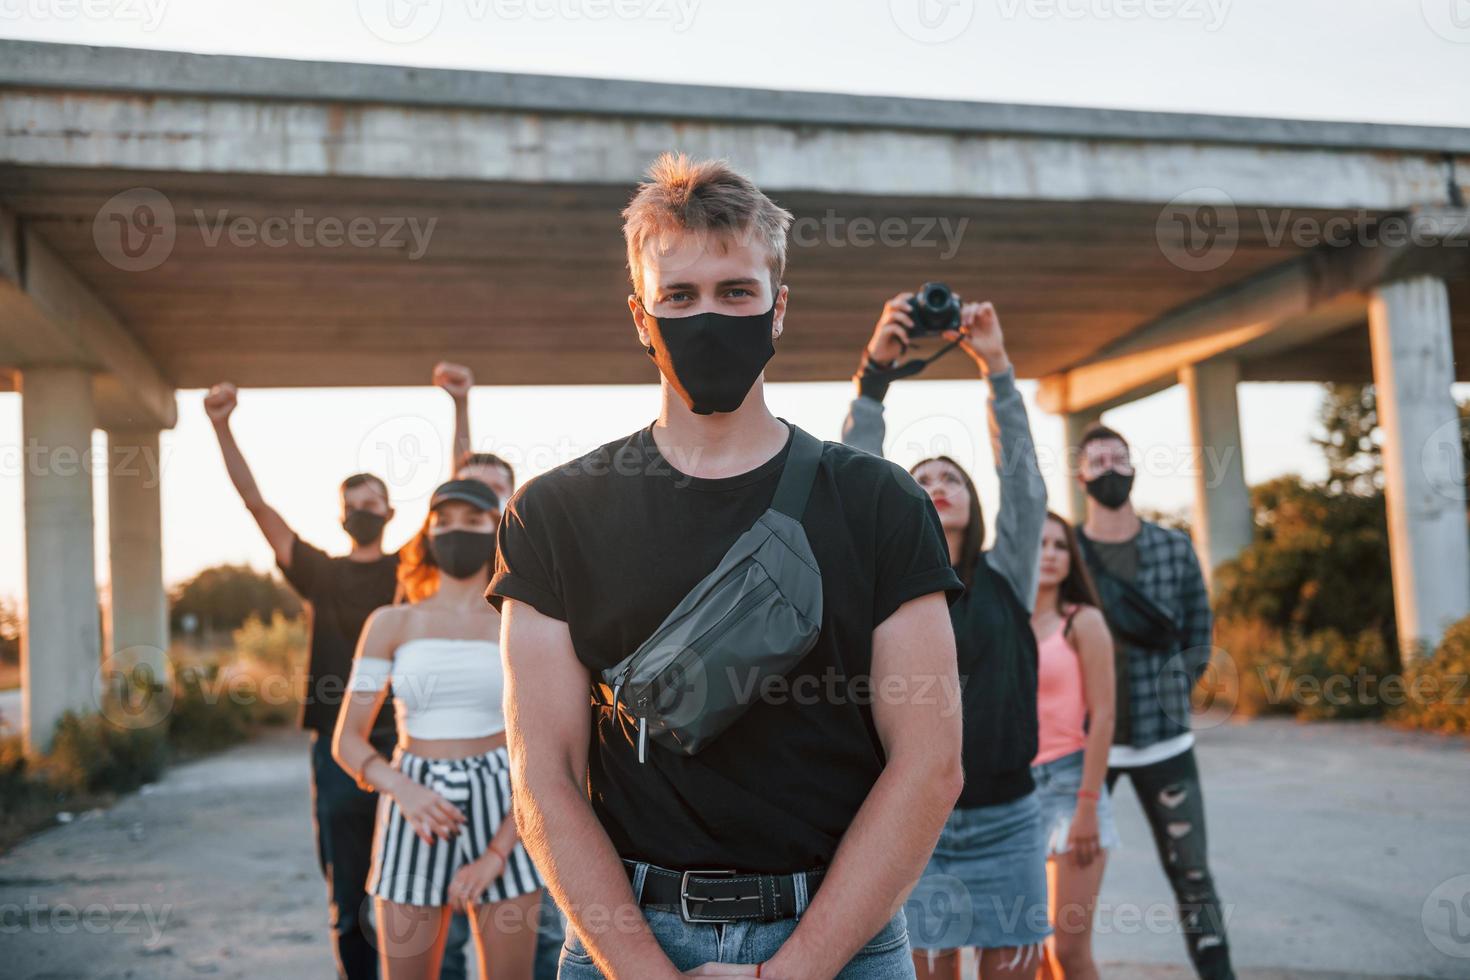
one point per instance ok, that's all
(1057, 783)
(985, 883)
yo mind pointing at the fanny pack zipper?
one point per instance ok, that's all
(746, 602)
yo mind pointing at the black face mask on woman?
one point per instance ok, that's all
(460, 554)
(711, 359)
(1110, 489)
(363, 526)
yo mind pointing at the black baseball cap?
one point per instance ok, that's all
(473, 492)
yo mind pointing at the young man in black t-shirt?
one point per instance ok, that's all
(842, 775)
(340, 592)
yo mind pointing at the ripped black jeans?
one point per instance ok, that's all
(1169, 792)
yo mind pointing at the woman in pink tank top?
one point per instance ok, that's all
(1075, 713)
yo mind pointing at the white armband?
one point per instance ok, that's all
(369, 675)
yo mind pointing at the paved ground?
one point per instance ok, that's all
(1329, 844)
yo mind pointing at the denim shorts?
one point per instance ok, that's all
(985, 884)
(690, 944)
(1057, 783)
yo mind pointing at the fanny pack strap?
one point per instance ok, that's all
(797, 474)
(1141, 600)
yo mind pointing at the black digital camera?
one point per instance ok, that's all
(935, 308)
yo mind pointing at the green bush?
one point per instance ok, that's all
(1318, 561)
(225, 596)
(204, 717)
(90, 754)
(1308, 675)
(279, 644)
(1437, 686)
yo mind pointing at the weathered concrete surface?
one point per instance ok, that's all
(1327, 841)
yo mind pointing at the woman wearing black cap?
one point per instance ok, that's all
(445, 833)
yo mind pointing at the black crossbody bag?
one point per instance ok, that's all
(1133, 617)
(755, 616)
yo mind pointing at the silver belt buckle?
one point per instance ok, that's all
(684, 893)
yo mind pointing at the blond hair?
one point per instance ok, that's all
(704, 197)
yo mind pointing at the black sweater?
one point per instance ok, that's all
(997, 660)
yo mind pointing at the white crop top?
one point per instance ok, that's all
(441, 688)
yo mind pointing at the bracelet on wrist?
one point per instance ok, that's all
(361, 776)
(1087, 794)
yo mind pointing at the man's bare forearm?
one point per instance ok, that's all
(586, 877)
(236, 467)
(461, 436)
(876, 865)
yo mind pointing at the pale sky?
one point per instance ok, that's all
(1405, 61)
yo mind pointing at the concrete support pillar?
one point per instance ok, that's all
(1222, 524)
(1074, 424)
(138, 617)
(61, 646)
(1424, 474)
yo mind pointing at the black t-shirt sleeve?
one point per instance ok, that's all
(524, 569)
(310, 568)
(913, 557)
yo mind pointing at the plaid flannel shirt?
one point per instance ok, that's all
(1160, 681)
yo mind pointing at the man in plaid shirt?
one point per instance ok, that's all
(1152, 742)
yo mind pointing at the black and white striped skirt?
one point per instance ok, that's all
(410, 872)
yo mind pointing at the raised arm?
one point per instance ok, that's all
(219, 404)
(548, 724)
(457, 380)
(863, 427)
(885, 849)
(1016, 552)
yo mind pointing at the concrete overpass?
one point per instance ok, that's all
(168, 219)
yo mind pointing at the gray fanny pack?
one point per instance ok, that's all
(751, 619)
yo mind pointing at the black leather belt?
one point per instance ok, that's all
(724, 896)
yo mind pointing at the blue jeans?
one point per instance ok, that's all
(343, 814)
(690, 944)
(549, 936)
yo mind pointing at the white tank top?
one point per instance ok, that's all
(448, 688)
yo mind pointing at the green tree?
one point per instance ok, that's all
(223, 597)
(1319, 561)
(1350, 439)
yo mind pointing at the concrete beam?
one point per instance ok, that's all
(1424, 475)
(172, 73)
(608, 139)
(1283, 307)
(61, 644)
(1223, 525)
(50, 316)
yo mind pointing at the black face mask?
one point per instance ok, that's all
(364, 526)
(460, 554)
(711, 359)
(1110, 489)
